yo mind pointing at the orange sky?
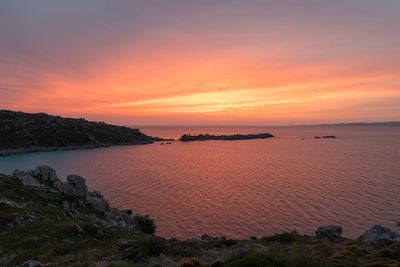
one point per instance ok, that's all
(202, 62)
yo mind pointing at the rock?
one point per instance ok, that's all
(145, 224)
(45, 174)
(76, 187)
(76, 229)
(120, 219)
(95, 194)
(32, 263)
(124, 244)
(206, 237)
(99, 204)
(42, 176)
(127, 211)
(59, 186)
(379, 234)
(26, 178)
(12, 203)
(330, 231)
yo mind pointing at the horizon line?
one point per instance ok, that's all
(359, 123)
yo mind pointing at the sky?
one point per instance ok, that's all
(208, 62)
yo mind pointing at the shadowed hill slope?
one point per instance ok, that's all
(25, 132)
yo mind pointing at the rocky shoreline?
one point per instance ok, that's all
(77, 196)
(34, 149)
(47, 222)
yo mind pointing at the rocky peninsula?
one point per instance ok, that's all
(45, 221)
(25, 132)
(205, 137)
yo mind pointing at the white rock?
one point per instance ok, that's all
(76, 186)
(26, 178)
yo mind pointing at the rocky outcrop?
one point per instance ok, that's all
(78, 195)
(42, 176)
(26, 178)
(145, 224)
(98, 202)
(76, 187)
(45, 174)
(329, 231)
(379, 234)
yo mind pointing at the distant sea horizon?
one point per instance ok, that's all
(361, 124)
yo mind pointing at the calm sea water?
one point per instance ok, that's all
(243, 188)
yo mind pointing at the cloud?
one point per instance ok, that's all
(245, 60)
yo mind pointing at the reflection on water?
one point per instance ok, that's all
(244, 188)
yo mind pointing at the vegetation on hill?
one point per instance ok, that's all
(46, 221)
(25, 132)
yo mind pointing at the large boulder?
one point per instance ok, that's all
(329, 231)
(145, 224)
(25, 178)
(116, 217)
(76, 187)
(59, 185)
(45, 174)
(379, 234)
(98, 202)
(42, 176)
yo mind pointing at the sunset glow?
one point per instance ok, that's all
(202, 62)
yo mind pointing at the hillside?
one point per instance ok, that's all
(47, 222)
(25, 132)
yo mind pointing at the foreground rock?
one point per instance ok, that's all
(205, 137)
(78, 196)
(379, 234)
(330, 231)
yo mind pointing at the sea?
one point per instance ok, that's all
(244, 188)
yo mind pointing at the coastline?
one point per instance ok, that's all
(9, 152)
